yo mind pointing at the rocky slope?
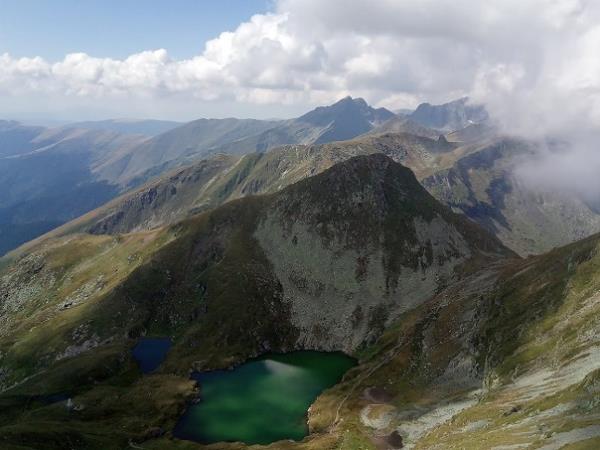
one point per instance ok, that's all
(330, 262)
(507, 358)
(482, 183)
(211, 182)
(475, 174)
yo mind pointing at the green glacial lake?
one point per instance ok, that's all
(262, 401)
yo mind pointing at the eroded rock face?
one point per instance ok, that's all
(341, 297)
(356, 247)
(27, 282)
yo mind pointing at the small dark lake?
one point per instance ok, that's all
(151, 352)
(263, 400)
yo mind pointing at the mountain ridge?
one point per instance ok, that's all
(475, 178)
(104, 170)
(450, 328)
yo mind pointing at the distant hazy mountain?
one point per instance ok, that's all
(450, 116)
(46, 177)
(129, 126)
(16, 138)
(346, 119)
(403, 124)
(178, 146)
(343, 120)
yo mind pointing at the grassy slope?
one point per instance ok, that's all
(222, 178)
(152, 284)
(491, 333)
(535, 344)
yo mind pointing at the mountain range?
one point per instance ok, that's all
(99, 160)
(284, 249)
(467, 297)
(457, 338)
(148, 128)
(476, 178)
(472, 170)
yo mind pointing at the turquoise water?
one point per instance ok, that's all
(261, 401)
(151, 352)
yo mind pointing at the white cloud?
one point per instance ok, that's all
(522, 58)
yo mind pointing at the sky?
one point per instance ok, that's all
(117, 28)
(535, 64)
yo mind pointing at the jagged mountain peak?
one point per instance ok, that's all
(351, 101)
(359, 171)
(450, 116)
(345, 119)
(344, 107)
(372, 198)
